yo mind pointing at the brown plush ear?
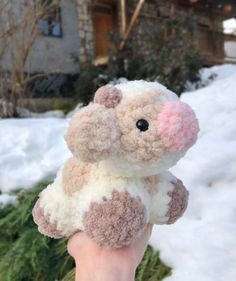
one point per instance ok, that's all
(92, 134)
(108, 95)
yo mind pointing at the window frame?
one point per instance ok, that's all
(48, 30)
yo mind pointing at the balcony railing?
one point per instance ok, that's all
(216, 47)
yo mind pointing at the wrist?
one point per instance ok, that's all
(105, 270)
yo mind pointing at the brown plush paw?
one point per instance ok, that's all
(179, 201)
(44, 225)
(116, 222)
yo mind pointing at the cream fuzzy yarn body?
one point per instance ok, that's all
(117, 180)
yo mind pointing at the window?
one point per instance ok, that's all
(50, 24)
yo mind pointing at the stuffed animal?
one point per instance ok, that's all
(117, 180)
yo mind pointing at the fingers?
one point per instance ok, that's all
(79, 241)
(149, 229)
(146, 234)
(75, 243)
(140, 244)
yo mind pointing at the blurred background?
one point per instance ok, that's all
(53, 56)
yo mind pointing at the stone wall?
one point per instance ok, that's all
(86, 47)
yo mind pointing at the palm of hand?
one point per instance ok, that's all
(90, 257)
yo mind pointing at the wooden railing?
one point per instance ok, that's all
(213, 46)
(230, 48)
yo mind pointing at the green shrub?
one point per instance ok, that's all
(152, 268)
(62, 104)
(25, 254)
(166, 54)
(162, 51)
(173, 61)
(91, 77)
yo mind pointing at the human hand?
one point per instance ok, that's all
(95, 263)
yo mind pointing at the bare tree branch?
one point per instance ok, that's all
(19, 30)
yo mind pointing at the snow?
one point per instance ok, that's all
(31, 150)
(201, 246)
(6, 199)
(219, 71)
(6, 108)
(25, 113)
(212, 74)
(230, 26)
(117, 81)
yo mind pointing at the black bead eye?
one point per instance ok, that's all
(142, 125)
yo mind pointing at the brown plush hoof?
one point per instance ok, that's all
(44, 225)
(179, 201)
(117, 222)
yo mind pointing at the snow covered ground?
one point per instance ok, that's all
(202, 245)
(31, 150)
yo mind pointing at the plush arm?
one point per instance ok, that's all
(169, 198)
(43, 221)
(48, 210)
(52, 211)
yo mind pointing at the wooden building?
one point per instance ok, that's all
(121, 16)
(209, 35)
(78, 31)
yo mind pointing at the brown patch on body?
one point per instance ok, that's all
(142, 146)
(44, 225)
(75, 175)
(179, 201)
(117, 222)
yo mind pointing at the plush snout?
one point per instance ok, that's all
(177, 126)
(92, 134)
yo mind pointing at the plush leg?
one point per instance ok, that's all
(169, 198)
(116, 222)
(178, 202)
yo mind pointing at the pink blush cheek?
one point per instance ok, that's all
(177, 126)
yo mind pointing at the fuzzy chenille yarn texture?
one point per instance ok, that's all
(117, 181)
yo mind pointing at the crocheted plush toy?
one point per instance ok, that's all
(117, 180)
